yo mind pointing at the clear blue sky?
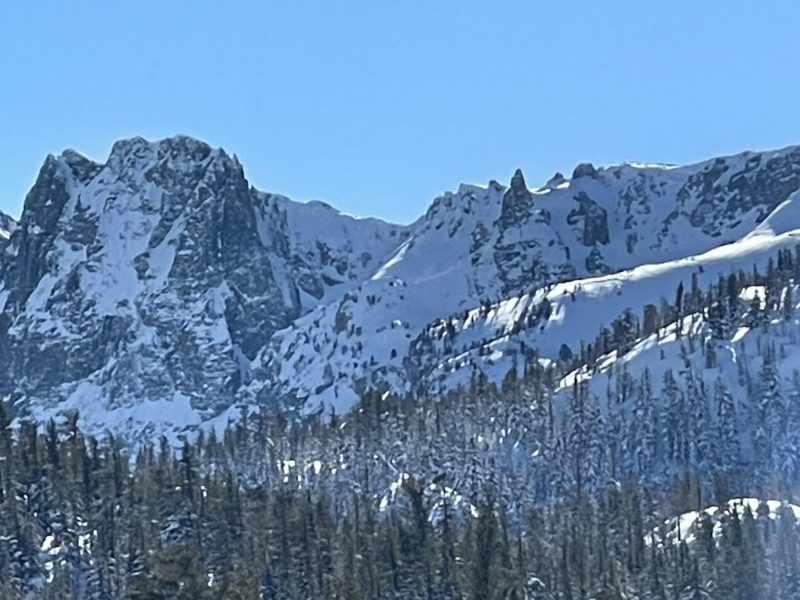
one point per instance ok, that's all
(377, 106)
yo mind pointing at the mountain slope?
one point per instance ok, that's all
(159, 290)
(484, 259)
(498, 335)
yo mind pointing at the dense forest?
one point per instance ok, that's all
(536, 488)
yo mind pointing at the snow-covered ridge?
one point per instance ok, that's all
(159, 290)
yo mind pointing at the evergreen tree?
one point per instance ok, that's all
(644, 430)
(727, 426)
(676, 427)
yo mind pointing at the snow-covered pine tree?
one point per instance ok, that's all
(644, 433)
(703, 438)
(771, 413)
(728, 455)
(675, 422)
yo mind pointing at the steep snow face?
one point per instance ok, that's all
(148, 283)
(159, 290)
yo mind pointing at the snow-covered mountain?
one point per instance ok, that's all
(160, 290)
(466, 290)
(139, 290)
(497, 336)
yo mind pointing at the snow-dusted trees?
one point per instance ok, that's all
(438, 498)
(625, 331)
(703, 439)
(651, 320)
(675, 423)
(585, 441)
(727, 426)
(644, 430)
(770, 411)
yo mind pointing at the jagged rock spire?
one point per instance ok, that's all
(517, 201)
(556, 179)
(518, 183)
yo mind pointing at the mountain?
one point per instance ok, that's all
(160, 290)
(496, 336)
(141, 288)
(466, 291)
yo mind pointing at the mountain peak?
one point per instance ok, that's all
(179, 149)
(518, 185)
(135, 145)
(556, 180)
(585, 169)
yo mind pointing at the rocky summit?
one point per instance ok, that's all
(160, 291)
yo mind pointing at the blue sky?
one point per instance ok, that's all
(378, 106)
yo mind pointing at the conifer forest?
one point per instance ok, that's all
(574, 479)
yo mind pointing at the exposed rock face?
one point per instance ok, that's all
(595, 264)
(594, 219)
(762, 183)
(584, 170)
(7, 226)
(159, 289)
(556, 180)
(517, 202)
(528, 251)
